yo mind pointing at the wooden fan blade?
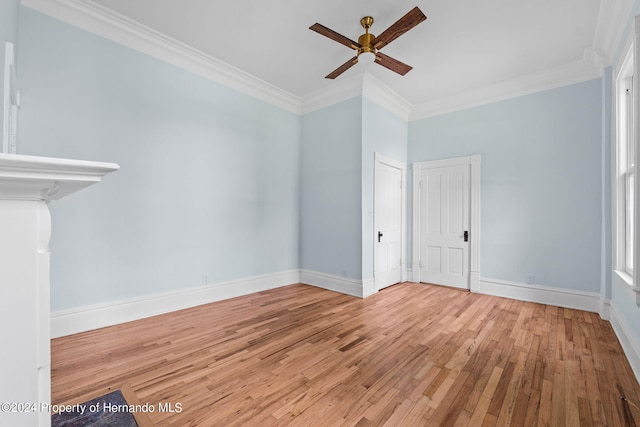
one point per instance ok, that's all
(341, 69)
(327, 32)
(401, 26)
(392, 64)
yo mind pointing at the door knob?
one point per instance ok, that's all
(379, 236)
(466, 236)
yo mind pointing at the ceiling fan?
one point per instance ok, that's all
(368, 45)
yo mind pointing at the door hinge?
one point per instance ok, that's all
(420, 264)
(400, 262)
(420, 185)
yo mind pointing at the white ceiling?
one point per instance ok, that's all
(464, 45)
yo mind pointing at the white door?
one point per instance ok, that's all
(387, 222)
(444, 225)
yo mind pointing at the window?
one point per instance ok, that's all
(625, 166)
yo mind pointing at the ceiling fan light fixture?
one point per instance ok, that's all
(366, 57)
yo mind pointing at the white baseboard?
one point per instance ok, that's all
(408, 274)
(605, 308)
(368, 288)
(628, 340)
(561, 297)
(330, 282)
(474, 281)
(81, 319)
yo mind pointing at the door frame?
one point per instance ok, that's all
(474, 227)
(382, 159)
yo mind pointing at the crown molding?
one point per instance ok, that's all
(99, 20)
(104, 22)
(113, 26)
(597, 58)
(612, 18)
(363, 84)
(386, 97)
(337, 91)
(564, 75)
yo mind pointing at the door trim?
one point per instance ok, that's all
(474, 248)
(380, 158)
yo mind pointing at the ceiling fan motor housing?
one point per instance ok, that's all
(366, 39)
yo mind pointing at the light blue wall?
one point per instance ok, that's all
(541, 181)
(339, 143)
(386, 134)
(331, 206)
(209, 181)
(9, 21)
(238, 187)
(8, 33)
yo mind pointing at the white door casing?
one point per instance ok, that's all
(446, 203)
(389, 227)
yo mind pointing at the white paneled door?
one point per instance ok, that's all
(387, 222)
(444, 225)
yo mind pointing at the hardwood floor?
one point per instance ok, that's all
(410, 355)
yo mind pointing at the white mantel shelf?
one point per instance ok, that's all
(46, 178)
(27, 184)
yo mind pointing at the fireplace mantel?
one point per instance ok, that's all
(45, 178)
(27, 184)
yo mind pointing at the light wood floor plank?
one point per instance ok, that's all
(412, 354)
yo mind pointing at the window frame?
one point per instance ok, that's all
(625, 179)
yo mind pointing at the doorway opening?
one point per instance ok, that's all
(389, 221)
(446, 222)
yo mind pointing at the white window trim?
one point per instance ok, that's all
(631, 49)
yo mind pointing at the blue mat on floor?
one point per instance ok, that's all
(102, 411)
